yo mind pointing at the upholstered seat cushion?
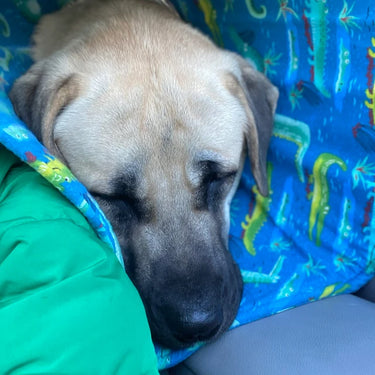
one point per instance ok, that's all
(328, 337)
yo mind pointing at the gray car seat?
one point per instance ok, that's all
(335, 336)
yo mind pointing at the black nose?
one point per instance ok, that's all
(196, 303)
(194, 326)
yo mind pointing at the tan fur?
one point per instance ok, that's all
(131, 97)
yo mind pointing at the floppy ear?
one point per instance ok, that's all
(259, 98)
(38, 99)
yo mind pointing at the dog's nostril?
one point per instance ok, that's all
(199, 326)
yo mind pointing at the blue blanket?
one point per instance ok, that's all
(314, 235)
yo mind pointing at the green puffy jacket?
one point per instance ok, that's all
(66, 305)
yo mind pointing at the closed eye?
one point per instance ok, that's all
(211, 170)
(111, 197)
(219, 176)
(140, 209)
(215, 184)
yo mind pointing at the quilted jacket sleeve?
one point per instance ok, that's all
(66, 305)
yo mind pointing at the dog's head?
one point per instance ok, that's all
(161, 147)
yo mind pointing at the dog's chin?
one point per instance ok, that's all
(180, 320)
(172, 341)
(179, 339)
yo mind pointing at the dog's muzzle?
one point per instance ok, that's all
(193, 305)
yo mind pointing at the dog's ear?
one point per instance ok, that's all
(259, 98)
(38, 99)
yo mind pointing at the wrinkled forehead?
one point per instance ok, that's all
(193, 126)
(198, 112)
(155, 127)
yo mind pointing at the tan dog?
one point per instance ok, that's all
(154, 119)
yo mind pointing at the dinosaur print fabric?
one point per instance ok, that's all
(314, 235)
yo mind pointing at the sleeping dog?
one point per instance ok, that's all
(155, 120)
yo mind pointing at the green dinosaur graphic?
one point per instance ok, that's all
(288, 288)
(228, 6)
(264, 278)
(262, 13)
(280, 219)
(345, 226)
(17, 132)
(317, 14)
(297, 132)
(320, 195)
(253, 224)
(330, 290)
(370, 94)
(5, 26)
(369, 50)
(344, 61)
(210, 18)
(5, 60)
(54, 171)
(293, 55)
